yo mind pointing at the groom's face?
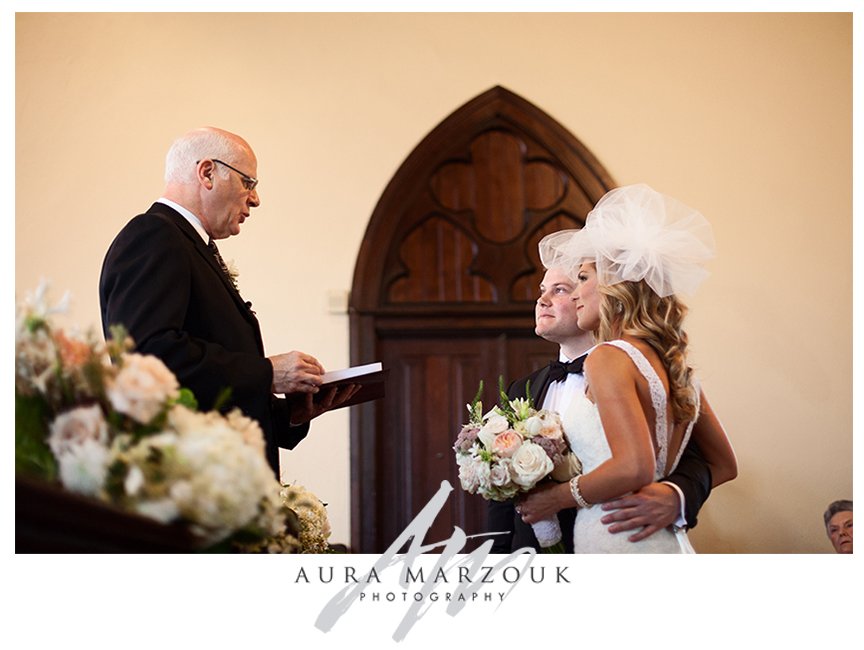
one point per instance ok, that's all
(555, 310)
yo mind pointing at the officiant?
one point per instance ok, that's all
(165, 282)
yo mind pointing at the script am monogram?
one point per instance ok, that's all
(471, 572)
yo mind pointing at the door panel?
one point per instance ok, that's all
(432, 378)
(443, 295)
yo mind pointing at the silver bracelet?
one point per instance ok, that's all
(574, 490)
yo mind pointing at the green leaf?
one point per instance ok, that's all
(503, 398)
(33, 457)
(477, 406)
(222, 399)
(116, 476)
(187, 398)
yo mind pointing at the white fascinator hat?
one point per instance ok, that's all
(635, 233)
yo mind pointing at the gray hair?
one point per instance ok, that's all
(842, 505)
(188, 149)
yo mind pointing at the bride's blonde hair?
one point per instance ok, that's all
(633, 309)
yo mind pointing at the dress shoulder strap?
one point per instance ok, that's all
(689, 430)
(658, 399)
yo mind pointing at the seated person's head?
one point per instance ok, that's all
(838, 525)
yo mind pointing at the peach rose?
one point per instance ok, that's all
(142, 387)
(506, 444)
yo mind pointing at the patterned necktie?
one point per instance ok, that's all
(558, 370)
(213, 249)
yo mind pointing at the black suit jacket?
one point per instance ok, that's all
(692, 475)
(161, 282)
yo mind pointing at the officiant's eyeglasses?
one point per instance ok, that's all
(248, 182)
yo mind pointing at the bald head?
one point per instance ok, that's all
(211, 173)
(205, 142)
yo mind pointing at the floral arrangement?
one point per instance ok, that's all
(511, 449)
(115, 426)
(309, 516)
(312, 513)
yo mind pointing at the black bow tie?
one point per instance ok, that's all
(558, 370)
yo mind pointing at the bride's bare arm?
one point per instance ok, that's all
(632, 463)
(715, 445)
(613, 378)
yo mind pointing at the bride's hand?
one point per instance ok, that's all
(544, 502)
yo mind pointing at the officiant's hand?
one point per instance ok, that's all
(305, 407)
(655, 507)
(296, 372)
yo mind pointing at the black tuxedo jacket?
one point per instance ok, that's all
(162, 283)
(692, 475)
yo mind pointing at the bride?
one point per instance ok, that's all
(641, 404)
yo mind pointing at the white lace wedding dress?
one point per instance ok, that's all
(585, 434)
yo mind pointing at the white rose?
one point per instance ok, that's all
(530, 464)
(75, 427)
(491, 428)
(142, 387)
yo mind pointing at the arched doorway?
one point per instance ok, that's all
(443, 294)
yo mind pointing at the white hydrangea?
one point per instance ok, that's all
(83, 467)
(214, 479)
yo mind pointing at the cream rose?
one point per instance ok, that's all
(491, 428)
(546, 424)
(499, 474)
(141, 387)
(569, 467)
(530, 464)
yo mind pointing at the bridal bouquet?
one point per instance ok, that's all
(510, 450)
(115, 426)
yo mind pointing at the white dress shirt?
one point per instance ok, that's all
(560, 393)
(191, 218)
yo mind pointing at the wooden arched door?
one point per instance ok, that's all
(443, 295)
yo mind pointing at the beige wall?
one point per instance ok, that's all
(747, 117)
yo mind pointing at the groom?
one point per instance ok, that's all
(675, 501)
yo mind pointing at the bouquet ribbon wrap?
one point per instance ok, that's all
(548, 532)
